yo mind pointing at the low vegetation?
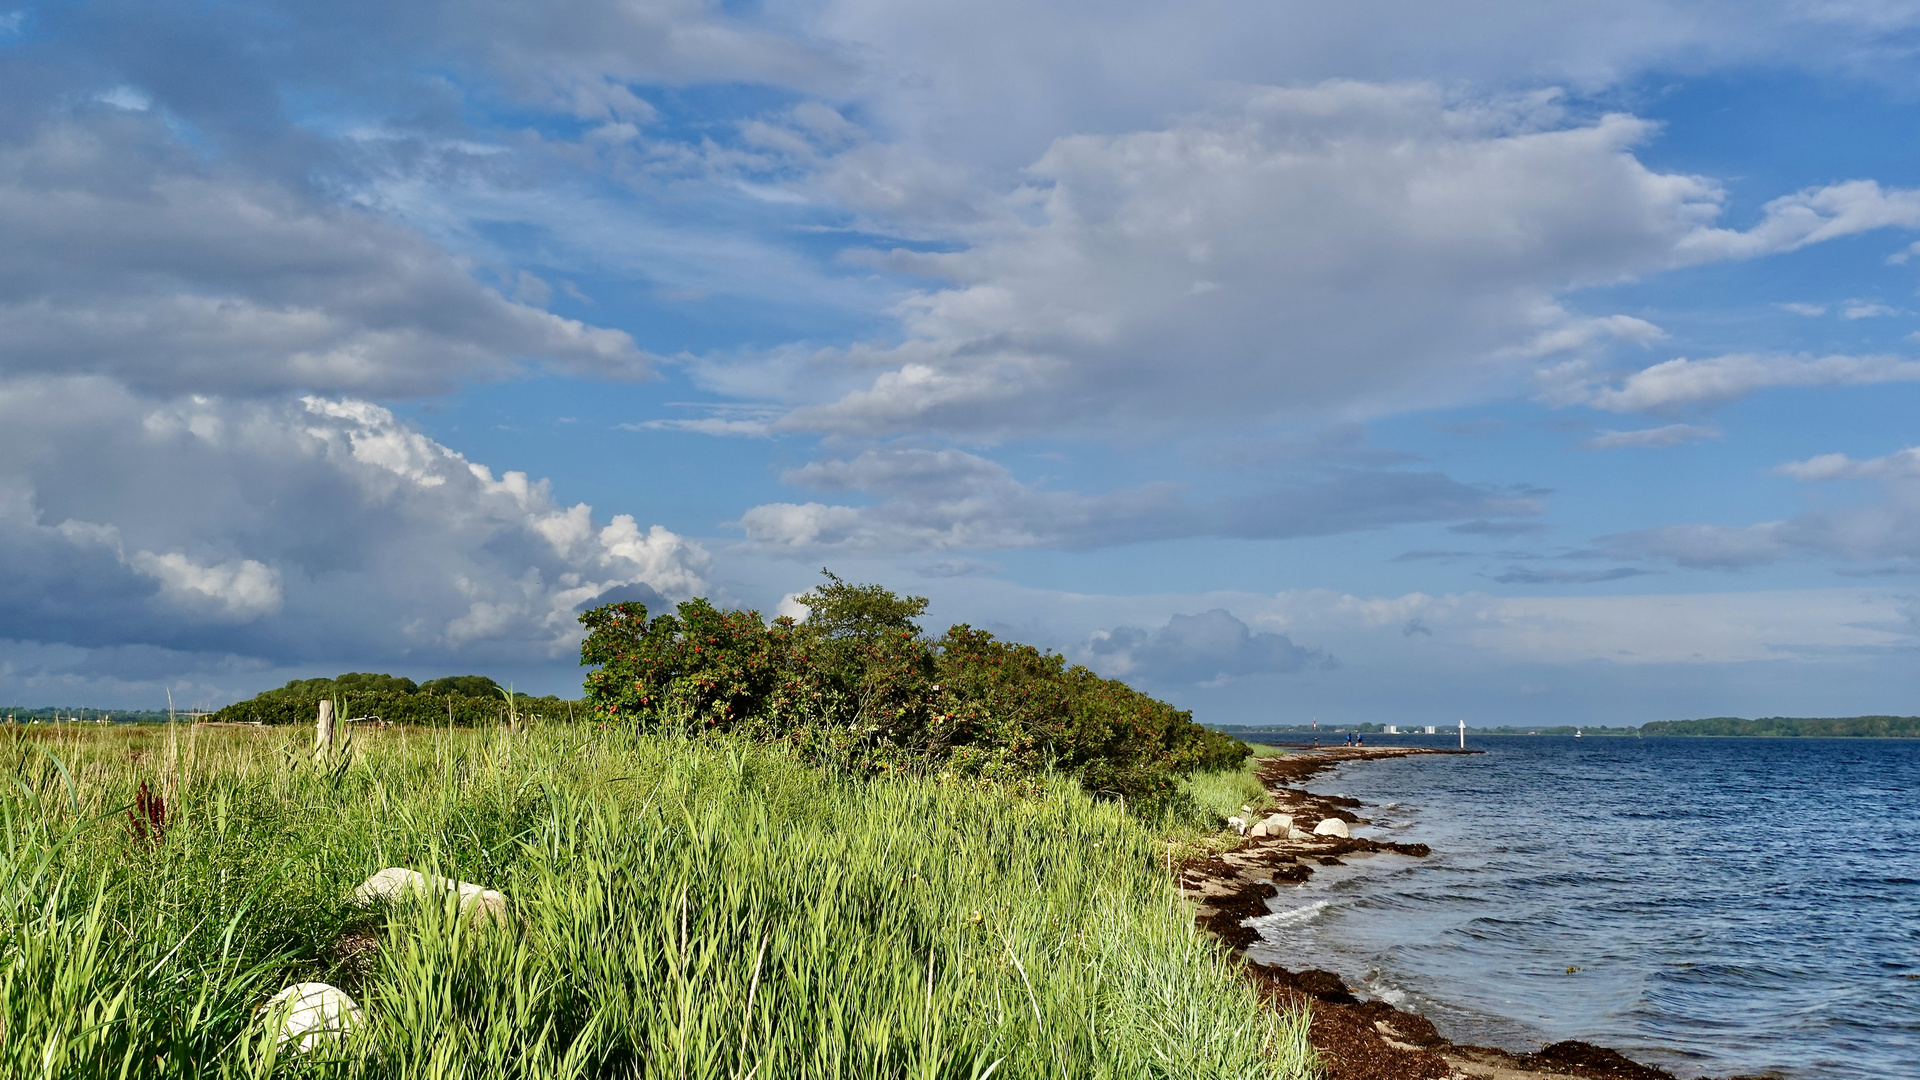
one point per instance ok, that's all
(825, 849)
(680, 905)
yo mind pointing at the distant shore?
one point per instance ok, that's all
(1774, 727)
(1359, 1039)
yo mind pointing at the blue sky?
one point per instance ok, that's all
(1376, 362)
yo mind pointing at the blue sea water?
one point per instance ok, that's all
(1729, 905)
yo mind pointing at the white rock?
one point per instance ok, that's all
(1273, 825)
(397, 882)
(309, 1013)
(1332, 826)
(1238, 825)
(1299, 834)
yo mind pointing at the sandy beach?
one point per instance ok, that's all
(1359, 1039)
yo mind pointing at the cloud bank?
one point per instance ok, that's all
(323, 529)
(1886, 527)
(938, 500)
(1209, 648)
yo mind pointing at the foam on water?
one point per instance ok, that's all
(1289, 916)
(1728, 905)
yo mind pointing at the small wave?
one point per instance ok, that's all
(1385, 991)
(1291, 917)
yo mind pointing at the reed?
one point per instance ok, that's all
(678, 908)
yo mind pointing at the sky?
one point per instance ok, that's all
(1371, 362)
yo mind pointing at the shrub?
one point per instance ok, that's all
(857, 686)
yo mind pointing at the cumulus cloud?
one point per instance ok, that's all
(1336, 250)
(240, 590)
(1210, 647)
(1682, 383)
(1345, 247)
(126, 256)
(290, 532)
(936, 500)
(1660, 437)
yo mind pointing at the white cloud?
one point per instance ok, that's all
(1886, 529)
(126, 97)
(125, 258)
(1717, 380)
(982, 78)
(238, 590)
(322, 530)
(1679, 628)
(950, 500)
(1809, 217)
(1905, 463)
(1809, 310)
(1865, 309)
(1660, 437)
(1338, 250)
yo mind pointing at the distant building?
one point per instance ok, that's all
(1390, 729)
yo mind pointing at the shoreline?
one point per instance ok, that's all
(1358, 1039)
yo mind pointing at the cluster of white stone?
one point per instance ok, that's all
(309, 1013)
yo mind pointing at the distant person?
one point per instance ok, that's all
(1359, 740)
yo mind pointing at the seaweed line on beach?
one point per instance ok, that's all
(1358, 1039)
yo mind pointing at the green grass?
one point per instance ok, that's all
(696, 909)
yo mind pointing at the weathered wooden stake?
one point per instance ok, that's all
(323, 728)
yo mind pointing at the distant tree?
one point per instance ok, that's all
(461, 686)
(838, 610)
(357, 682)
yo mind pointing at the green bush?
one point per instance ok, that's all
(859, 687)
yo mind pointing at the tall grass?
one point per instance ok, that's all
(677, 909)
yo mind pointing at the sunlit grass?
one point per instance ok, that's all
(677, 908)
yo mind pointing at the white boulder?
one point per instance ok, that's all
(1273, 825)
(1299, 834)
(397, 882)
(1237, 825)
(1332, 826)
(311, 1012)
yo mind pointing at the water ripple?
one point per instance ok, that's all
(1714, 906)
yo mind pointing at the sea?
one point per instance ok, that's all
(1712, 906)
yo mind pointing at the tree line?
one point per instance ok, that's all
(460, 700)
(1896, 727)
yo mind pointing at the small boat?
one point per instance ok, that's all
(1576, 733)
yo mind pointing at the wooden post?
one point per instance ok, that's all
(323, 728)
